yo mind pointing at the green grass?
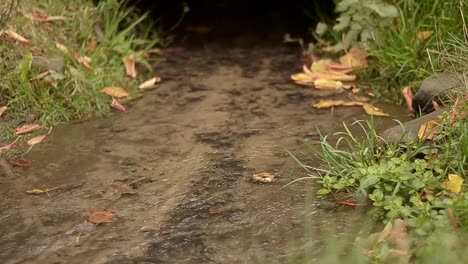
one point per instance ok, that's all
(76, 91)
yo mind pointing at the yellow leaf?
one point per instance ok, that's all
(302, 77)
(320, 65)
(336, 76)
(115, 92)
(149, 83)
(372, 110)
(422, 35)
(12, 34)
(3, 109)
(428, 130)
(129, 62)
(453, 183)
(331, 103)
(61, 47)
(355, 58)
(36, 191)
(327, 84)
(36, 140)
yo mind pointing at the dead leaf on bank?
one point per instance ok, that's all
(36, 140)
(458, 111)
(331, 103)
(2, 110)
(408, 95)
(355, 58)
(129, 63)
(350, 202)
(149, 83)
(26, 128)
(453, 184)
(12, 34)
(62, 48)
(9, 146)
(83, 60)
(264, 177)
(422, 35)
(429, 130)
(115, 92)
(327, 84)
(40, 77)
(216, 211)
(436, 106)
(101, 216)
(115, 104)
(20, 163)
(372, 110)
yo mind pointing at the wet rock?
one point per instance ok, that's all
(48, 63)
(408, 131)
(436, 87)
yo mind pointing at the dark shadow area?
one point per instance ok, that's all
(237, 22)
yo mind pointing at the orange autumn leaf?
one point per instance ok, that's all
(26, 128)
(101, 216)
(2, 110)
(428, 130)
(372, 110)
(115, 92)
(36, 140)
(129, 63)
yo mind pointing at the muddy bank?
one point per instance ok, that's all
(177, 170)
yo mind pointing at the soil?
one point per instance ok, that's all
(177, 168)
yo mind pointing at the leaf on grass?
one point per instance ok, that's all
(12, 34)
(83, 60)
(115, 104)
(36, 140)
(327, 84)
(453, 183)
(115, 92)
(264, 177)
(150, 83)
(101, 216)
(2, 110)
(372, 110)
(355, 58)
(129, 63)
(429, 130)
(62, 48)
(422, 35)
(26, 128)
(408, 95)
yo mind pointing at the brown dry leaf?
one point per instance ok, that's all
(9, 146)
(83, 60)
(101, 216)
(115, 92)
(355, 58)
(408, 95)
(422, 35)
(436, 106)
(62, 48)
(355, 90)
(372, 110)
(26, 128)
(36, 140)
(428, 130)
(20, 163)
(327, 84)
(150, 83)
(115, 104)
(453, 184)
(12, 34)
(129, 62)
(3, 109)
(264, 177)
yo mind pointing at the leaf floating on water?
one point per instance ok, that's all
(149, 83)
(264, 177)
(453, 183)
(115, 104)
(372, 110)
(101, 216)
(429, 130)
(26, 128)
(115, 92)
(36, 140)
(129, 63)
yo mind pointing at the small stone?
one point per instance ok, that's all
(53, 63)
(436, 87)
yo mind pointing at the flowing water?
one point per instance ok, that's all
(177, 168)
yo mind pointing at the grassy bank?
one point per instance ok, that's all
(57, 56)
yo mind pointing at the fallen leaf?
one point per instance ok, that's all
(331, 103)
(458, 110)
(36, 140)
(320, 65)
(422, 35)
(372, 110)
(350, 202)
(129, 62)
(335, 66)
(37, 191)
(149, 83)
(355, 58)
(17, 37)
(408, 95)
(20, 163)
(83, 60)
(453, 183)
(216, 211)
(428, 130)
(115, 104)
(355, 90)
(26, 128)
(336, 76)
(62, 48)
(101, 216)
(115, 92)
(436, 105)
(2, 110)
(302, 77)
(327, 84)
(264, 177)
(425, 193)
(9, 146)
